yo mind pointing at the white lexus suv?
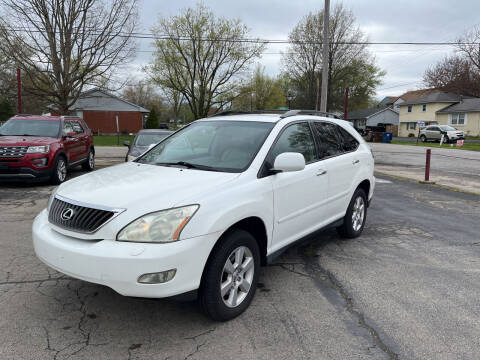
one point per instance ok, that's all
(200, 212)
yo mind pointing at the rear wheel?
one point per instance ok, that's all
(89, 165)
(231, 275)
(354, 219)
(59, 171)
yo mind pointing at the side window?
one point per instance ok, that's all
(329, 139)
(67, 127)
(349, 143)
(295, 138)
(77, 127)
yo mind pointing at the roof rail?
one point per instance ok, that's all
(241, 112)
(69, 117)
(20, 115)
(308, 112)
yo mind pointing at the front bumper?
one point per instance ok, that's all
(21, 173)
(119, 264)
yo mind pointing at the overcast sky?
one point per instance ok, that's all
(382, 21)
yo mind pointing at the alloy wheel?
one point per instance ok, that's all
(61, 170)
(91, 160)
(237, 276)
(358, 213)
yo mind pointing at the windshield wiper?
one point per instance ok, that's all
(187, 165)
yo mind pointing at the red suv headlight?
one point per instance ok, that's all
(44, 149)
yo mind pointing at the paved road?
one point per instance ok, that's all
(450, 167)
(407, 289)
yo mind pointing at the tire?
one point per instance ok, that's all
(222, 267)
(446, 140)
(59, 170)
(89, 165)
(423, 138)
(355, 217)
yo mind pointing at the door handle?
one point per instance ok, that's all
(321, 172)
(355, 162)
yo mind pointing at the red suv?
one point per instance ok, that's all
(44, 147)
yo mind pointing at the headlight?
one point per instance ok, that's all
(50, 199)
(159, 227)
(38, 149)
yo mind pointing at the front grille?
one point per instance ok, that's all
(80, 218)
(12, 151)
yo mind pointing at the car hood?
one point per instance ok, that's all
(26, 140)
(147, 187)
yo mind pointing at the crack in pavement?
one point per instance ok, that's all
(314, 267)
(34, 281)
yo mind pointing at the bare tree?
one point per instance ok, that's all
(455, 74)
(201, 56)
(469, 46)
(350, 63)
(144, 94)
(64, 45)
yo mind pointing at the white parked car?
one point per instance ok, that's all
(201, 212)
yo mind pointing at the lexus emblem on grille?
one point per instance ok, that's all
(67, 214)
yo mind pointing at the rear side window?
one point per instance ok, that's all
(349, 143)
(295, 138)
(329, 139)
(333, 140)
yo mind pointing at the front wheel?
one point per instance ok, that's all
(423, 138)
(355, 217)
(59, 171)
(231, 275)
(89, 165)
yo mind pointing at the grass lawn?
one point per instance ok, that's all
(111, 140)
(466, 146)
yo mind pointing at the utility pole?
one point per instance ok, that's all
(325, 48)
(19, 90)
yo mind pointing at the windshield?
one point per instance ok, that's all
(211, 145)
(46, 128)
(147, 139)
(447, 128)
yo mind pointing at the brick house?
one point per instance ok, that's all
(100, 109)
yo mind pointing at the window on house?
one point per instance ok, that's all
(457, 119)
(424, 107)
(409, 108)
(412, 125)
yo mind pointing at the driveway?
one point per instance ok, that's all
(408, 288)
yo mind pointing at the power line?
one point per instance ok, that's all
(136, 35)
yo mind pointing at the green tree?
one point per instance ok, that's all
(6, 110)
(350, 63)
(200, 56)
(261, 92)
(152, 120)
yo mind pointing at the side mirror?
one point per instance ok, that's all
(70, 134)
(126, 143)
(289, 161)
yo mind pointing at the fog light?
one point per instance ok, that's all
(39, 162)
(157, 278)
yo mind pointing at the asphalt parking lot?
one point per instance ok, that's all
(408, 288)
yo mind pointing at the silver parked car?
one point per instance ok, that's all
(434, 133)
(143, 141)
